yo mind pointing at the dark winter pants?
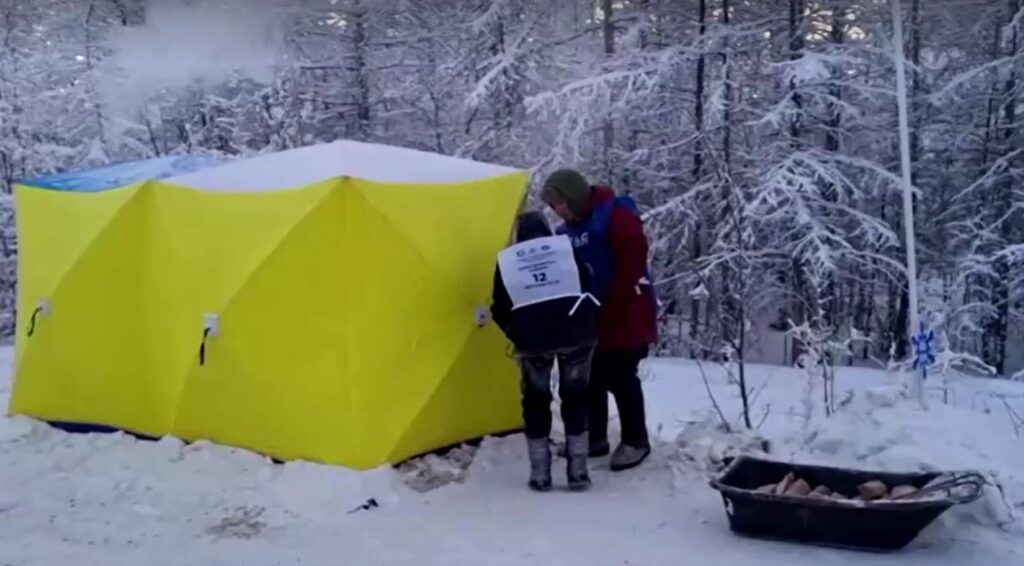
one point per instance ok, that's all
(574, 373)
(618, 373)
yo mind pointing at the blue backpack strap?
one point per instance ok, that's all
(591, 240)
(601, 218)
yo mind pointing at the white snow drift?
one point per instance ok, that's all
(112, 499)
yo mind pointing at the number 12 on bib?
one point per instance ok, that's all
(540, 270)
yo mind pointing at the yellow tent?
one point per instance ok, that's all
(316, 303)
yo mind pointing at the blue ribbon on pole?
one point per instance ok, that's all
(924, 349)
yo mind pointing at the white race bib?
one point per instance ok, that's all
(540, 270)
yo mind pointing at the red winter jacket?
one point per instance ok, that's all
(628, 319)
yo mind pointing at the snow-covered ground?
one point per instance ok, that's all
(111, 499)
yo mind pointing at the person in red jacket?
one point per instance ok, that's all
(609, 235)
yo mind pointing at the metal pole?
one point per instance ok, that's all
(908, 195)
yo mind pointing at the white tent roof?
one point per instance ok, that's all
(303, 166)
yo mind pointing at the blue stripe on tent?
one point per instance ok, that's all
(121, 174)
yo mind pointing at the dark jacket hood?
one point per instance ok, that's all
(532, 225)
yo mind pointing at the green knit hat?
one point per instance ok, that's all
(568, 185)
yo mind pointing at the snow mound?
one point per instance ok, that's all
(705, 446)
(209, 489)
(882, 429)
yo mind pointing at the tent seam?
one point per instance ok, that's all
(230, 300)
(78, 259)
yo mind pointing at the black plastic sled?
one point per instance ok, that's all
(882, 525)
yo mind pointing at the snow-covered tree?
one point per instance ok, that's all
(760, 138)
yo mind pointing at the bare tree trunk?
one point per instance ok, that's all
(989, 152)
(698, 112)
(630, 176)
(903, 314)
(899, 324)
(727, 111)
(796, 48)
(837, 34)
(698, 162)
(899, 296)
(863, 307)
(8, 94)
(608, 33)
(794, 308)
(362, 79)
(728, 306)
(741, 355)
(1001, 290)
(90, 65)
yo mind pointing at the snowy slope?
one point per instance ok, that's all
(109, 499)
